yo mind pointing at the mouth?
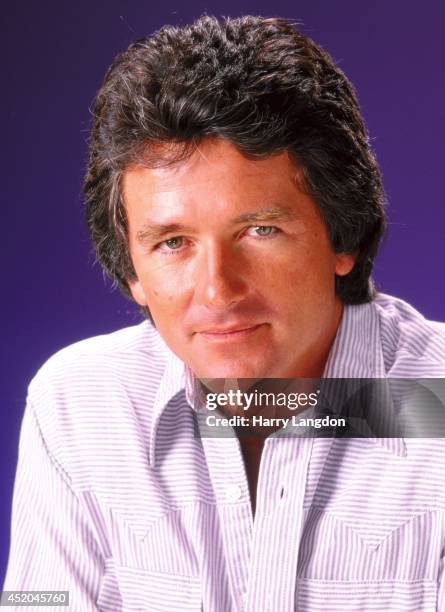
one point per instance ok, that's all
(231, 333)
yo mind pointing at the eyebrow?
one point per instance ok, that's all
(151, 232)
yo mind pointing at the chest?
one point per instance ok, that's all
(251, 449)
(348, 525)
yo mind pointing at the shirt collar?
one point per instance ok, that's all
(174, 379)
(356, 353)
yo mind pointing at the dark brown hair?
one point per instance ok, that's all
(263, 86)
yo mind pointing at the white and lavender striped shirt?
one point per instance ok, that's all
(117, 500)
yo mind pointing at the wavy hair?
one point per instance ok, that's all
(263, 86)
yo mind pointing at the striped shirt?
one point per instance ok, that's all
(119, 502)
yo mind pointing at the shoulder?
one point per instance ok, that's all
(411, 344)
(102, 359)
(92, 399)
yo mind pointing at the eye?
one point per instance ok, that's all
(263, 231)
(174, 243)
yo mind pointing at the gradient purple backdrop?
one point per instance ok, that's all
(55, 54)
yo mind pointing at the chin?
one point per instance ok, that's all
(233, 369)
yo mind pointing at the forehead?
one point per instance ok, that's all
(214, 164)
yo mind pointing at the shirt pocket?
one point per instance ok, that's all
(372, 596)
(133, 589)
(364, 562)
(371, 548)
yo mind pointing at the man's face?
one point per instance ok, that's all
(234, 263)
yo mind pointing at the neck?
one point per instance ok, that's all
(313, 363)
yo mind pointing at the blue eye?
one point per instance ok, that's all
(174, 243)
(264, 230)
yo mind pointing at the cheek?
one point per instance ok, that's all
(159, 297)
(165, 292)
(306, 279)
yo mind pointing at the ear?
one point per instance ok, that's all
(137, 292)
(344, 262)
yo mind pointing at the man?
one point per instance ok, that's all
(232, 193)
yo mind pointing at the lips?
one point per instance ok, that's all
(232, 332)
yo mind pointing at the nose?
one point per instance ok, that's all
(219, 281)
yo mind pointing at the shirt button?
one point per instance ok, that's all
(233, 492)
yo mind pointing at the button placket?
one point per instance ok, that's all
(278, 524)
(226, 467)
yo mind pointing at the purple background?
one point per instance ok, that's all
(54, 58)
